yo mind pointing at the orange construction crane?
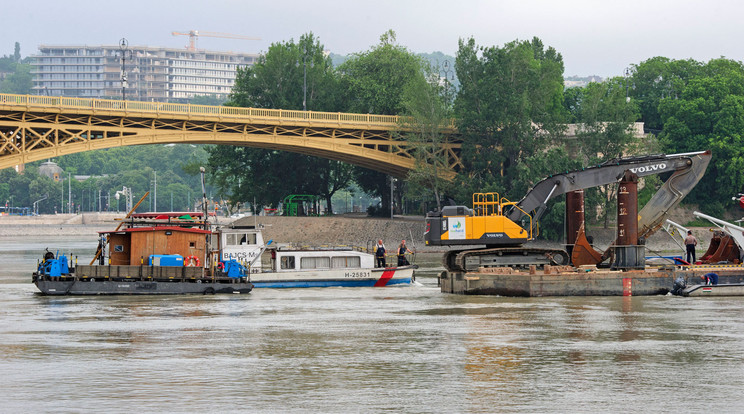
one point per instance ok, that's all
(193, 34)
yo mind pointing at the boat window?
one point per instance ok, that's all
(288, 262)
(346, 262)
(315, 263)
(248, 238)
(240, 239)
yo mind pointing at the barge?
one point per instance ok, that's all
(179, 253)
(154, 254)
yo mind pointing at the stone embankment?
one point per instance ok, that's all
(346, 230)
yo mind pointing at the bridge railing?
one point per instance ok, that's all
(223, 112)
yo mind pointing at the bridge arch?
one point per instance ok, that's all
(39, 127)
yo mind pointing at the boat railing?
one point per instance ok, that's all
(319, 248)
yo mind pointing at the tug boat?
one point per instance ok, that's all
(154, 254)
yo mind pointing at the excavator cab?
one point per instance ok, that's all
(484, 223)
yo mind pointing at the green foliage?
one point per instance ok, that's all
(277, 79)
(19, 81)
(656, 79)
(281, 79)
(605, 118)
(427, 109)
(374, 82)
(552, 161)
(110, 170)
(18, 78)
(509, 109)
(706, 112)
(212, 100)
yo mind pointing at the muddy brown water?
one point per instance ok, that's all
(403, 349)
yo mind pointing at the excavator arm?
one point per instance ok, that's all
(687, 169)
(494, 221)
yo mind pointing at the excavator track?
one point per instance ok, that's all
(472, 260)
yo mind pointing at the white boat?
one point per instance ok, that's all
(319, 267)
(732, 289)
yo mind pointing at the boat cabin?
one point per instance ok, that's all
(168, 234)
(242, 243)
(331, 259)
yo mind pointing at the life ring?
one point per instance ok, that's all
(221, 266)
(191, 261)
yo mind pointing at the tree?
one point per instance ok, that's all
(17, 53)
(427, 110)
(508, 110)
(278, 80)
(707, 112)
(19, 82)
(374, 82)
(606, 117)
(213, 100)
(658, 78)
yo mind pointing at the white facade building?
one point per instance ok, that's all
(153, 74)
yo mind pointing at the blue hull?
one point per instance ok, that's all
(328, 283)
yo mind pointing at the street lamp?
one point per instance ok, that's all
(124, 50)
(445, 68)
(392, 199)
(127, 193)
(627, 85)
(305, 52)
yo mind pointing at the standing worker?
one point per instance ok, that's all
(402, 250)
(690, 243)
(380, 254)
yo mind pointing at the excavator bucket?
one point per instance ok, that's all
(583, 253)
(655, 212)
(722, 248)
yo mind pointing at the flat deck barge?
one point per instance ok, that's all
(582, 281)
(138, 280)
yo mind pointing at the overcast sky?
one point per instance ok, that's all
(599, 37)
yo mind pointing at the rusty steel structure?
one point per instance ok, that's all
(39, 127)
(627, 210)
(574, 216)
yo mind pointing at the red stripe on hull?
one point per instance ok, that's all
(386, 276)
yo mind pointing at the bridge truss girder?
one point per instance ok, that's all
(27, 136)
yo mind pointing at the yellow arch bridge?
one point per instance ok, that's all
(39, 127)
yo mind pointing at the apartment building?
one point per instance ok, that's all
(152, 74)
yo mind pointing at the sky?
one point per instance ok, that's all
(595, 37)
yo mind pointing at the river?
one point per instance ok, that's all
(398, 349)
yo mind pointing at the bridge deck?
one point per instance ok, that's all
(37, 127)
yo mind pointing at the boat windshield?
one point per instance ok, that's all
(240, 239)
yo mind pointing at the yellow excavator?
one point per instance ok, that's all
(506, 228)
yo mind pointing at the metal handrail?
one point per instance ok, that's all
(156, 108)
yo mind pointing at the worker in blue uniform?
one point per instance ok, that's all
(710, 278)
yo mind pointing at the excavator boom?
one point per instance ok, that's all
(687, 169)
(493, 220)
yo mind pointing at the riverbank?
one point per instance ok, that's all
(343, 230)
